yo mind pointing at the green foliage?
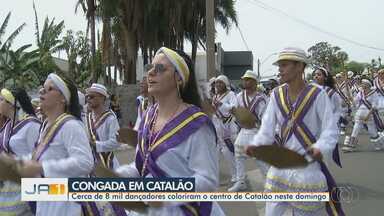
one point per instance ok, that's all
(16, 66)
(331, 57)
(48, 43)
(77, 48)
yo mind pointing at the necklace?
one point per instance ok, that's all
(152, 140)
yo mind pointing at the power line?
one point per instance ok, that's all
(242, 38)
(309, 25)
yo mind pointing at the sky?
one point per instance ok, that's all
(265, 30)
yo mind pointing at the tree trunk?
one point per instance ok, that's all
(195, 40)
(92, 9)
(130, 46)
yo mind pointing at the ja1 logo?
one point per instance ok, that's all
(44, 189)
(51, 189)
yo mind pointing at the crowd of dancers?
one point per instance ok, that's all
(65, 133)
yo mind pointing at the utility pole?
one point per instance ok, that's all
(210, 31)
(258, 68)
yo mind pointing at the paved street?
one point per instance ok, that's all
(363, 172)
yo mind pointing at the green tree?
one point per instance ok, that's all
(147, 25)
(331, 57)
(48, 43)
(17, 67)
(77, 48)
(356, 67)
(5, 45)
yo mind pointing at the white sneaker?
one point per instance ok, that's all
(378, 147)
(374, 140)
(349, 145)
(347, 149)
(238, 186)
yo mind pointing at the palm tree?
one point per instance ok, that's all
(48, 43)
(150, 24)
(77, 48)
(8, 42)
(89, 8)
(5, 45)
(17, 67)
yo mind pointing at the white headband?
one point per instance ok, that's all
(61, 85)
(98, 88)
(178, 62)
(323, 69)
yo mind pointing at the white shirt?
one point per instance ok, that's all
(319, 120)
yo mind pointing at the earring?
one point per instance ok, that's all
(178, 89)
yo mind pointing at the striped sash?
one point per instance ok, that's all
(376, 117)
(173, 134)
(46, 136)
(293, 124)
(106, 158)
(330, 91)
(379, 88)
(345, 99)
(9, 131)
(252, 105)
(219, 114)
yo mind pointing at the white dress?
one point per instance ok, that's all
(195, 157)
(21, 144)
(228, 129)
(68, 155)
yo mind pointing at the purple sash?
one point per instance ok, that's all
(379, 89)
(219, 114)
(297, 113)
(330, 91)
(19, 125)
(342, 95)
(106, 158)
(376, 117)
(174, 132)
(45, 140)
(5, 135)
(251, 106)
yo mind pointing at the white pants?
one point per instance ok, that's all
(243, 139)
(230, 157)
(227, 131)
(279, 208)
(372, 130)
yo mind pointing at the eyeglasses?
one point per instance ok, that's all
(159, 68)
(90, 97)
(46, 90)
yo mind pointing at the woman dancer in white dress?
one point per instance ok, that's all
(63, 148)
(18, 139)
(175, 138)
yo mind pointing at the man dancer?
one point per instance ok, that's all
(303, 113)
(102, 126)
(255, 102)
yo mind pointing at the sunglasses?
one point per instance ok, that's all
(158, 68)
(46, 90)
(3, 99)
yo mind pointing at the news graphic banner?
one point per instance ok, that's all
(143, 189)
